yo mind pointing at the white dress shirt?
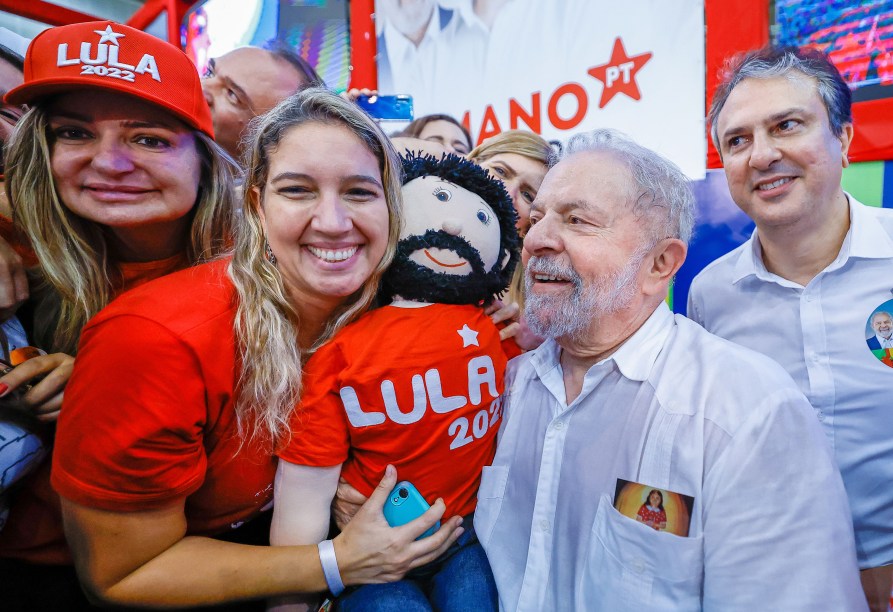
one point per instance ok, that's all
(678, 409)
(412, 68)
(817, 333)
(885, 343)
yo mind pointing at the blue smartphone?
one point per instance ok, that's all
(405, 504)
(387, 108)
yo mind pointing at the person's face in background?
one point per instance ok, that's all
(522, 177)
(655, 499)
(448, 134)
(242, 84)
(127, 165)
(10, 76)
(781, 157)
(883, 325)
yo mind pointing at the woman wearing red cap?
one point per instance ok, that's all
(115, 178)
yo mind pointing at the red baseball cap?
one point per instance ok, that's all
(114, 56)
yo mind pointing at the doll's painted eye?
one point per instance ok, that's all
(484, 217)
(442, 194)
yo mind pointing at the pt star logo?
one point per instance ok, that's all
(619, 74)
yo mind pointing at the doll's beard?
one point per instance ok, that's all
(413, 281)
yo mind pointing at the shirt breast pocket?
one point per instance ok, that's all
(632, 565)
(490, 494)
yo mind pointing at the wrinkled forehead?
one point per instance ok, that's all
(599, 179)
(765, 95)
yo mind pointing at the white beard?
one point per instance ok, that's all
(554, 316)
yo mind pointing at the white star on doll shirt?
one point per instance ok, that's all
(469, 336)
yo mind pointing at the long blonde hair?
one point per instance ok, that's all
(518, 142)
(77, 275)
(266, 323)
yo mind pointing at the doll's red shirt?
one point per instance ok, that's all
(414, 387)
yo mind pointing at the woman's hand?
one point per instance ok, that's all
(48, 375)
(347, 503)
(370, 551)
(500, 312)
(353, 93)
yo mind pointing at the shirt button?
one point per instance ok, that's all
(638, 566)
(814, 356)
(808, 297)
(559, 425)
(821, 415)
(544, 525)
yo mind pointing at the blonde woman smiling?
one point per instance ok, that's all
(181, 446)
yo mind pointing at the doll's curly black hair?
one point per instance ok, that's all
(409, 280)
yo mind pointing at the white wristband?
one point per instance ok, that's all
(330, 567)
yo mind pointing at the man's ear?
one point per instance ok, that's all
(662, 263)
(846, 138)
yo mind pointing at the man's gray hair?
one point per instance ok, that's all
(773, 62)
(881, 312)
(664, 195)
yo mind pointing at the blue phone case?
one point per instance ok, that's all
(387, 108)
(405, 504)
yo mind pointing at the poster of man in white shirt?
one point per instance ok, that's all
(882, 328)
(554, 67)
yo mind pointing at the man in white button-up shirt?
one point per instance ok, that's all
(626, 399)
(804, 288)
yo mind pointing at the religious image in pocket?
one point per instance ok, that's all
(660, 509)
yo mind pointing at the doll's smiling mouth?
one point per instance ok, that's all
(445, 265)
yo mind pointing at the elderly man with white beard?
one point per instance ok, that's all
(625, 399)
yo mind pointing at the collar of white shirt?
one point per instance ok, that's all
(865, 238)
(466, 12)
(634, 358)
(398, 45)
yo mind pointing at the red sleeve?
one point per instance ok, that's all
(129, 436)
(319, 427)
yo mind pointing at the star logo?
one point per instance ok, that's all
(107, 35)
(469, 336)
(619, 74)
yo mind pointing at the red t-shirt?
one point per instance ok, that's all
(414, 387)
(34, 529)
(149, 415)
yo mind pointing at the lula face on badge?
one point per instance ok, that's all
(660, 509)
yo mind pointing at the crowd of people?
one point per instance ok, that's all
(193, 256)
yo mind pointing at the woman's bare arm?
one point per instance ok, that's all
(129, 558)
